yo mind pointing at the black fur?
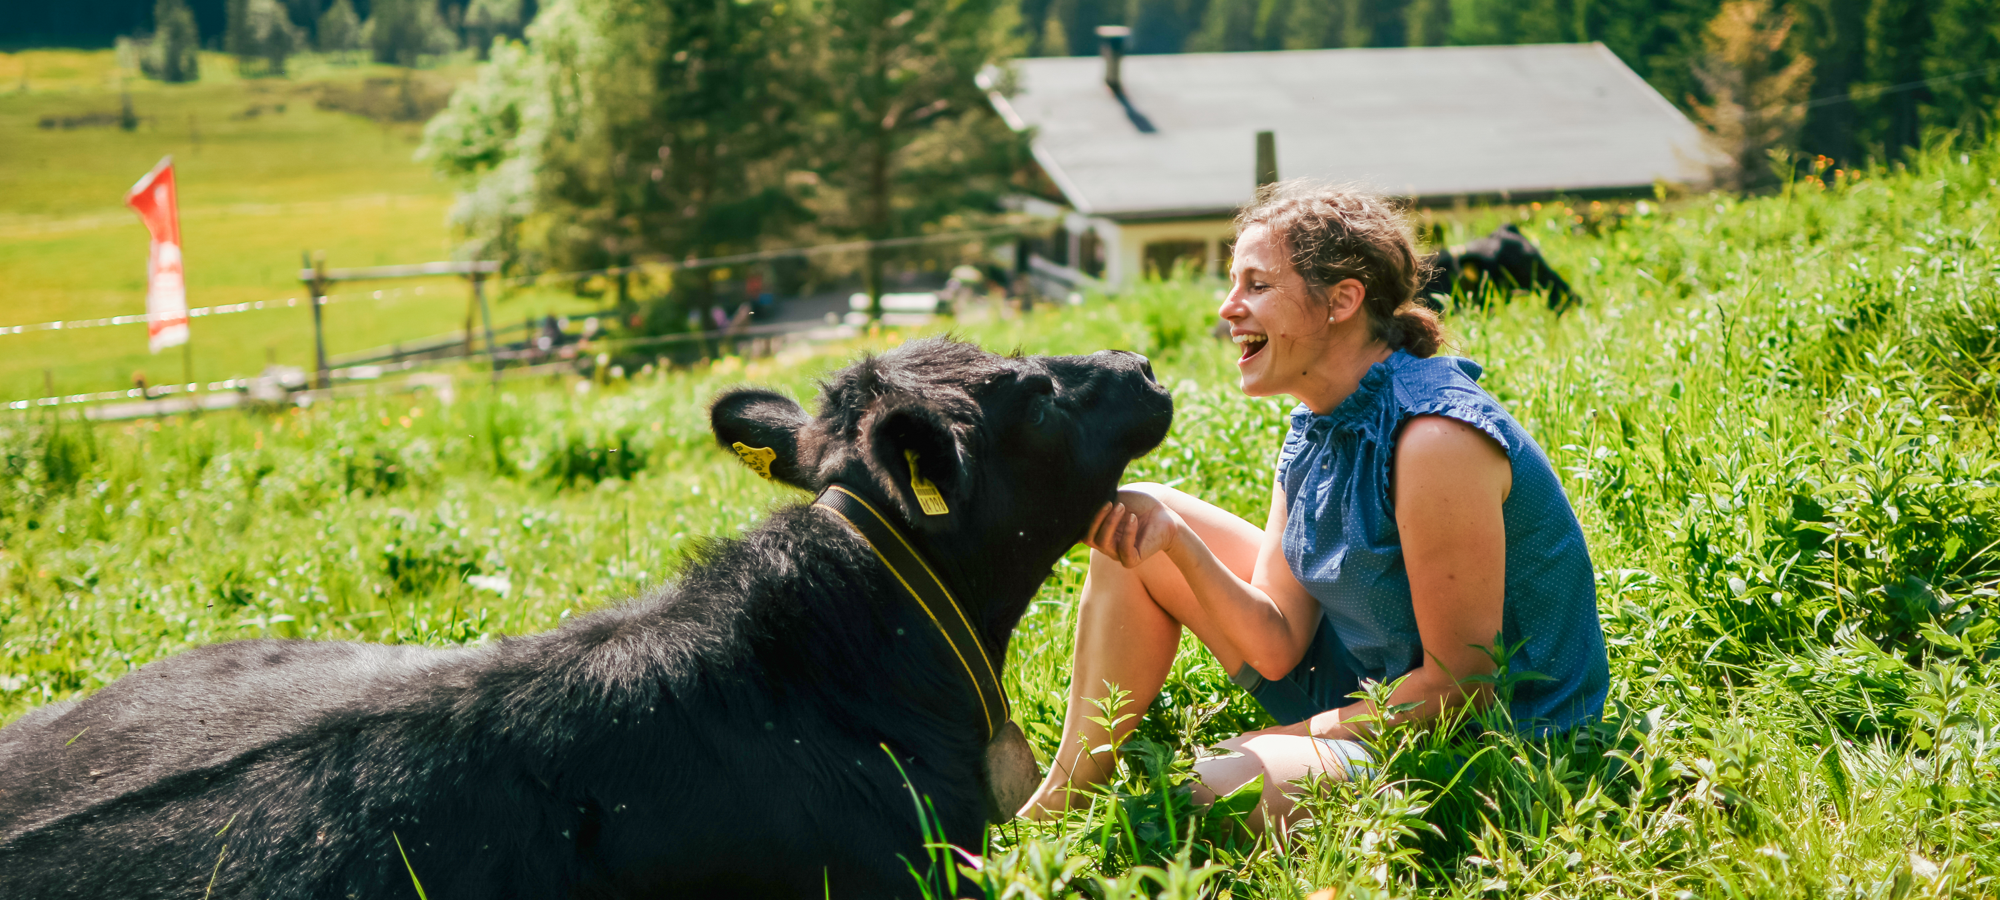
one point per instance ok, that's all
(1495, 265)
(721, 738)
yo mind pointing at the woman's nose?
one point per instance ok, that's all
(1232, 305)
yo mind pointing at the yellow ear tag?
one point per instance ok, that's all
(759, 459)
(927, 493)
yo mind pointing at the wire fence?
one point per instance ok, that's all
(197, 312)
(539, 277)
(373, 363)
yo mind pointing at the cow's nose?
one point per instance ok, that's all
(1145, 365)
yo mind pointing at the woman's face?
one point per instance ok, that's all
(1280, 329)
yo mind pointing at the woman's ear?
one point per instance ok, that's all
(769, 432)
(1343, 300)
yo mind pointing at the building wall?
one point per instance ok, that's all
(1126, 243)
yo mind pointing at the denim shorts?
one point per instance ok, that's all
(1322, 680)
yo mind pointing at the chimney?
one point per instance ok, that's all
(1267, 158)
(1111, 41)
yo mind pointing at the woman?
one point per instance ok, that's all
(1413, 524)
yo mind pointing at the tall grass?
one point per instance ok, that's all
(1775, 418)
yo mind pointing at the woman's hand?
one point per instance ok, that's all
(1133, 528)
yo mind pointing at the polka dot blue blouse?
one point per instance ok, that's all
(1342, 543)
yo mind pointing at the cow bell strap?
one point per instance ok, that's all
(932, 597)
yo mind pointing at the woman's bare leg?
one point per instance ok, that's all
(1284, 760)
(1128, 626)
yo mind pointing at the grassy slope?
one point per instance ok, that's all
(254, 192)
(1775, 419)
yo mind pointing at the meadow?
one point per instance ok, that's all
(266, 168)
(1775, 417)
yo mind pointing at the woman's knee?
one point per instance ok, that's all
(1106, 580)
(1287, 764)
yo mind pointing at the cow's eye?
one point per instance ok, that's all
(1039, 412)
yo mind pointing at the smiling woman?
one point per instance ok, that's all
(1416, 534)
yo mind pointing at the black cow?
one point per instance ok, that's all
(1498, 263)
(744, 732)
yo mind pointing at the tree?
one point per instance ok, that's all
(629, 128)
(489, 19)
(1965, 46)
(1054, 38)
(1227, 25)
(400, 31)
(1897, 32)
(907, 136)
(1756, 88)
(1163, 26)
(1833, 33)
(175, 51)
(1427, 22)
(339, 29)
(262, 29)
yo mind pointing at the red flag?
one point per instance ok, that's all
(166, 292)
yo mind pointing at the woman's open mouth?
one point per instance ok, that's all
(1252, 344)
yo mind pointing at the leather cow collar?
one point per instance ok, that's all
(928, 590)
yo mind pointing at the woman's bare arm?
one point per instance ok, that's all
(1267, 620)
(1450, 480)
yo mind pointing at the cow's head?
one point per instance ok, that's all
(1021, 451)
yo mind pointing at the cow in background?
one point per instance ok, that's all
(1495, 265)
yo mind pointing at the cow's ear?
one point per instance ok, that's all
(915, 457)
(769, 432)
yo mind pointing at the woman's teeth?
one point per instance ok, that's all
(1251, 343)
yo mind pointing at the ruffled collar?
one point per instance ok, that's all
(1359, 406)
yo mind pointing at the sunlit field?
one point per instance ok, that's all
(266, 169)
(1775, 418)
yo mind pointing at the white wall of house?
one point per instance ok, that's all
(1125, 245)
(1122, 245)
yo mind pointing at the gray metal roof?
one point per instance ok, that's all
(1419, 122)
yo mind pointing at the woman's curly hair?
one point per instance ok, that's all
(1333, 232)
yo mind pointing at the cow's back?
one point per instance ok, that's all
(190, 712)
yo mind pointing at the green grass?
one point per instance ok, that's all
(1775, 418)
(255, 191)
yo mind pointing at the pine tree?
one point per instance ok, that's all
(1163, 26)
(1756, 89)
(236, 30)
(1055, 32)
(629, 128)
(907, 137)
(175, 53)
(1227, 25)
(1427, 23)
(1310, 25)
(339, 29)
(489, 19)
(1478, 22)
(261, 30)
(400, 31)
(1275, 20)
(1964, 50)
(1898, 32)
(1832, 33)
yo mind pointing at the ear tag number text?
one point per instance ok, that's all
(927, 493)
(759, 459)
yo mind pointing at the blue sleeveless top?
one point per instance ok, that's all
(1342, 543)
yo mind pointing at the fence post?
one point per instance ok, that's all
(485, 319)
(317, 263)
